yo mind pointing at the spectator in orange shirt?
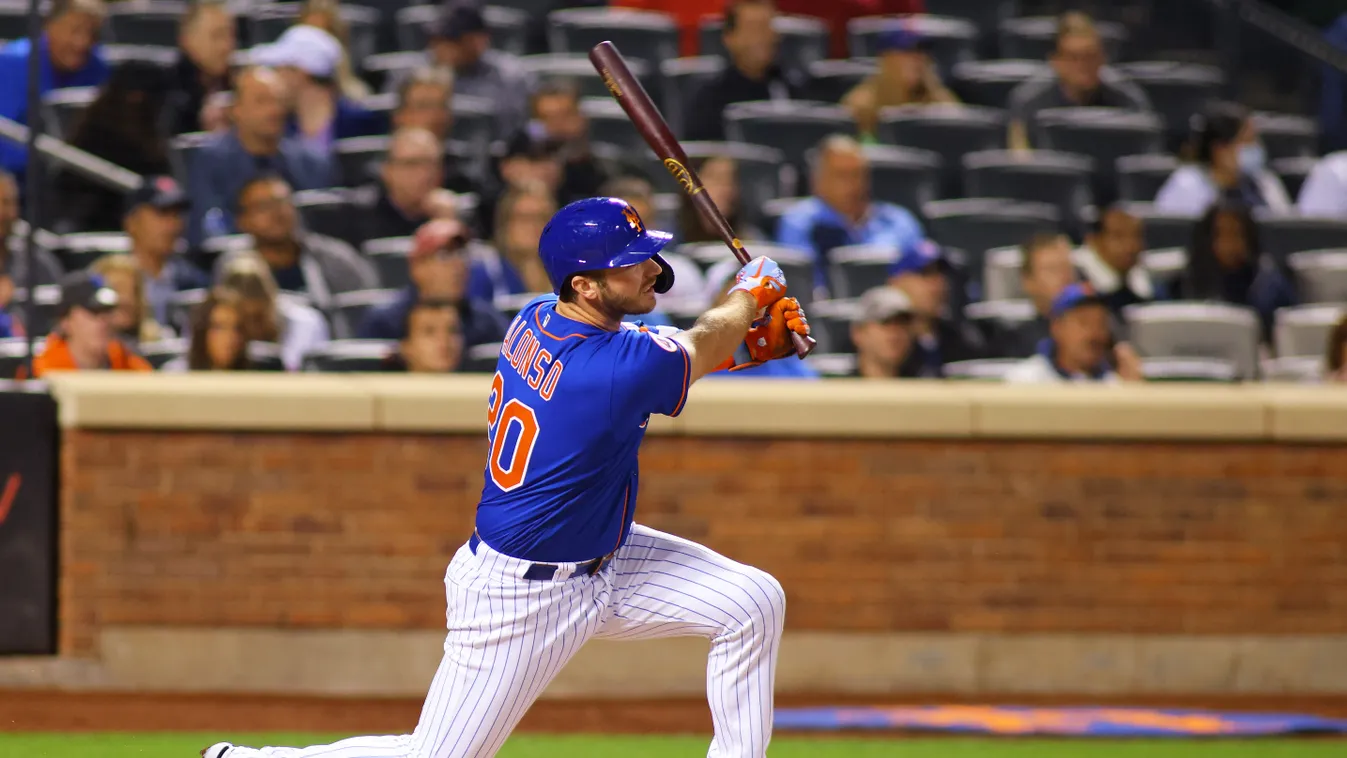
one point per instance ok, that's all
(83, 338)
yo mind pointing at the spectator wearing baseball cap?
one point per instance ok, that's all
(920, 273)
(83, 339)
(882, 333)
(307, 58)
(1045, 270)
(905, 76)
(1079, 347)
(459, 40)
(439, 268)
(840, 210)
(154, 220)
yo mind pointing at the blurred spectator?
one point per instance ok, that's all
(840, 212)
(206, 40)
(1110, 260)
(720, 277)
(424, 103)
(326, 15)
(920, 273)
(1231, 164)
(527, 160)
(154, 223)
(68, 57)
(307, 57)
(1078, 78)
(1335, 354)
(256, 145)
(132, 320)
(13, 242)
(556, 118)
(10, 324)
(720, 177)
(1226, 264)
(1078, 347)
(300, 261)
(217, 342)
(269, 316)
(906, 76)
(1045, 270)
(516, 268)
(124, 126)
(882, 333)
(434, 340)
(459, 40)
(438, 268)
(689, 284)
(84, 338)
(1324, 192)
(408, 193)
(753, 72)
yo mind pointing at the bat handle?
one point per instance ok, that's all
(803, 345)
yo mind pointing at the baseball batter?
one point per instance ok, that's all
(556, 558)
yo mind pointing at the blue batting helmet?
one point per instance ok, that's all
(598, 233)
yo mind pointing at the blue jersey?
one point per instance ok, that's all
(566, 414)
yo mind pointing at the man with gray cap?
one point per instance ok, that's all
(460, 40)
(882, 333)
(83, 338)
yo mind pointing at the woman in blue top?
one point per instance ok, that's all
(1231, 165)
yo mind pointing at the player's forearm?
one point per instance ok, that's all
(718, 332)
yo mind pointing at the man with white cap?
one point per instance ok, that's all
(307, 58)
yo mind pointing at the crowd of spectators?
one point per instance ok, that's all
(226, 259)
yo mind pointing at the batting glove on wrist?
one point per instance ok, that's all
(763, 279)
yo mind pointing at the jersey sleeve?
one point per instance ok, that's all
(650, 374)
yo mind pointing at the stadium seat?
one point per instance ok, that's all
(1176, 90)
(831, 80)
(830, 324)
(13, 19)
(1287, 136)
(1302, 330)
(1104, 134)
(704, 254)
(76, 251)
(328, 212)
(792, 127)
(1001, 273)
(1188, 370)
(1321, 275)
(214, 247)
(509, 27)
(13, 355)
(389, 256)
(349, 356)
(1165, 264)
(1035, 37)
(763, 175)
(609, 124)
(990, 83)
(804, 39)
(1163, 229)
(155, 55)
(1062, 180)
(65, 107)
(160, 352)
(1140, 177)
(638, 35)
(379, 71)
(348, 309)
(475, 123)
(145, 22)
(905, 176)
(481, 359)
(180, 151)
(981, 369)
(266, 22)
(949, 41)
(996, 320)
(683, 79)
(832, 364)
(1294, 370)
(358, 159)
(577, 68)
(1196, 330)
(181, 304)
(511, 305)
(1283, 234)
(46, 298)
(1292, 172)
(854, 269)
(950, 131)
(986, 15)
(976, 225)
(265, 356)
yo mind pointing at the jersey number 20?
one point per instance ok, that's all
(508, 467)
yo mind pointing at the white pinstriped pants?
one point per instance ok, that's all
(508, 637)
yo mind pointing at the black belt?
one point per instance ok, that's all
(548, 571)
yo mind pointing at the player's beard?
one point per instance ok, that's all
(620, 305)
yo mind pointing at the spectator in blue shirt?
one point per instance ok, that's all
(938, 337)
(68, 57)
(153, 222)
(256, 145)
(841, 212)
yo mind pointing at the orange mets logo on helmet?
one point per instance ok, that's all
(633, 219)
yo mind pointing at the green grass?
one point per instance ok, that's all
(168, 745)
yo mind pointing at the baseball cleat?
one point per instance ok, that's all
(218, 750)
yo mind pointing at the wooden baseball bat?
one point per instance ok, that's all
(629, 93)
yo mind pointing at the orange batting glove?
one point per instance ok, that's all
(769, 338)
(763, 279)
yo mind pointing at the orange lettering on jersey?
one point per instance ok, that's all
(539, 368)
(493, 400)
(515, 327)
(521, 346)
(526, 364)
(550, 383)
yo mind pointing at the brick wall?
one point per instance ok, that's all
(312, 530)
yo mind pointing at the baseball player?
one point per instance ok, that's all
(556, 558)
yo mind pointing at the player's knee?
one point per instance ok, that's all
(765, 600)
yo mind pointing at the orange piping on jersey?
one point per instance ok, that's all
(686, 371)
(539, 322)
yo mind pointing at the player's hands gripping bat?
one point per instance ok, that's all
(629, 93)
